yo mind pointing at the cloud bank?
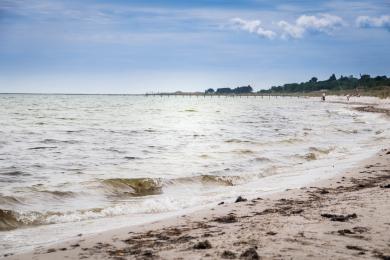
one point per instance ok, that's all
(374, 22)
(253, 26)
(324, 23)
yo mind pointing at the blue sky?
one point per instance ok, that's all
(120, 46)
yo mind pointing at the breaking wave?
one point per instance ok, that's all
(209, 180)
(134, 186)
(11, 219)
(153, 186)
(316, 152)
(321, 150)
(310, 156)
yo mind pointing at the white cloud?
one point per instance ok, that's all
(325, 23)
(253, 27)
(373, 22)
(291, 30)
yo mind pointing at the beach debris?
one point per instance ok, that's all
(380, 255)
(148, 254)
(226, 219)
(162, 237)
(344, 232)
(386, 186)
(357, 248)
(119, 253)
(63, 249)
(373, 109)
(250, 254)
(360, 229)
(267, 211)
(352, 233)
(203, 245)
(101, 245)
(240, 199)
(323, 191)
(173, 232)
(297, 211)
(184, 239)
(365, 185)
(75, 245)
(340, 218)
(221, 203)
(228, 255)
(207, 235)
(271, 233)
(51, 250)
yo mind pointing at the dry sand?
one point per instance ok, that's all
(342, 218)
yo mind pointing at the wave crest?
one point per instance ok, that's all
(10, 219)
(321, 150)
(224, 180)
(134, 186)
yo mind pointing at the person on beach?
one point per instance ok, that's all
(323, 96)
(348, 96)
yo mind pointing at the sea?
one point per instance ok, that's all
(72, 164)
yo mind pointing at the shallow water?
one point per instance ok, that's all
(74, 164)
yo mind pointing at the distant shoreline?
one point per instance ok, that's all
(201, 94)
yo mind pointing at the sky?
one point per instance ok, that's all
(119, 46)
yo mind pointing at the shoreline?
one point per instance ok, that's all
(289, 224)
(105, 244)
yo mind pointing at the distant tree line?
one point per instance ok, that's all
(238, 90)
(343, 83)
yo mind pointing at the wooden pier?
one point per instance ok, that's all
(217, 95)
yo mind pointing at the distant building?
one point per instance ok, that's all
(224, 91)
(238, 90)
(209, 91)
(243, 90)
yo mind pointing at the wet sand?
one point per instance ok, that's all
(373, 109)
(342, 218)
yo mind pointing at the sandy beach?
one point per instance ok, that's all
(192, 130)
(342, 218)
